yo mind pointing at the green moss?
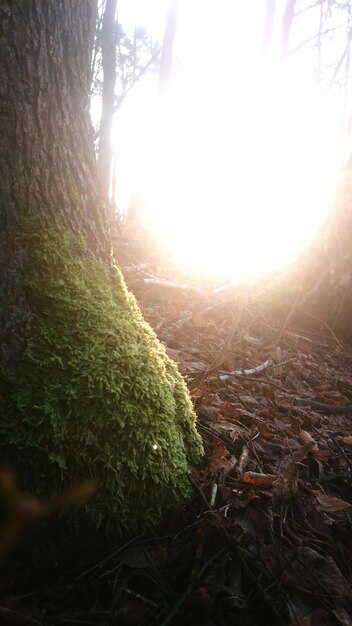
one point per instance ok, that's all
(95, 394)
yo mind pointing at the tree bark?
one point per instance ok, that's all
(86, 389)
(47, 162)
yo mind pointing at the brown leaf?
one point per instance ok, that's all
(259, 480)
(307, 440)
(229, 409)
(285, 486)
(201, 598)
(208, 412)
(311, 572)
(334, 506)
(249, 400)
(319, 617)
(347, 440)
(310, 445)
(200, 391)
(219, 457)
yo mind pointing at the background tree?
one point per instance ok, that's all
(108, 62)
(166, 58)
(286, 27)
(86, 389)
(319, 287)
(270, 9)
(119, 62)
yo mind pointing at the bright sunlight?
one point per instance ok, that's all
(236, 167)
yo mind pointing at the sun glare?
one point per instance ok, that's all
(236, 175)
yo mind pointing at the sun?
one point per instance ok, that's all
(236, 175)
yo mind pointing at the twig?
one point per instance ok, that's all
(249, 372)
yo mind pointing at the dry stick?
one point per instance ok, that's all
(248, 372)
(238, 553)
(161, 282)
(200, 492)
(138, 596)
(253, 578)
(77, 618)
(192, 582)
(264, 381)
(190, 587)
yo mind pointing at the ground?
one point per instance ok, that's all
(266, 537)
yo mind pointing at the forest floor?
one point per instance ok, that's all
(266, 538)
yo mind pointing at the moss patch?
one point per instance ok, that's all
(95, 394)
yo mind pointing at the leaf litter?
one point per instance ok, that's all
(266, 537)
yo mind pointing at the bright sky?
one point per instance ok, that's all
(238, 165)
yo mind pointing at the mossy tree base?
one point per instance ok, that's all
(95, 394)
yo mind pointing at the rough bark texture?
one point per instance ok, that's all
(86, 388)
(47, 163)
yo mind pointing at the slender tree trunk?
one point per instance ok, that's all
(286, 27)
(268, 25)
(108, 50)
(166, 58)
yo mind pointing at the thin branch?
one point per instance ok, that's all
(310, 6)
(142, 71)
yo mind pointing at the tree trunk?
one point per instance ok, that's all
(85, 386)
(166, 58)
(316, 292)
(47, 163)
(270, 8)
(286, 26)
(108, 51)
(326, 293)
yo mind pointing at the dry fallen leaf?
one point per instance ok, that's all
(310, 446)
(259, 480)
(219, 457)
(310, 571)
(319, 617)
(347, 440)
(334, 506)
